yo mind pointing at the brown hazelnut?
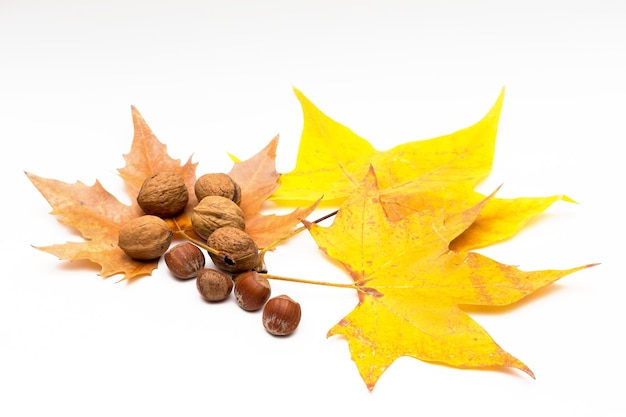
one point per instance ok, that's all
(281, 315)
(184, 260)
(145, 238)
(217, 184)
(164, 194)
(251, 290)
(213, 212)
(237, 250)
(214, 285)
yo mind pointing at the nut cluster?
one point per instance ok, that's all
(218, 219)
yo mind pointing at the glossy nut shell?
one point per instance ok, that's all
(281, 315)
(184, 260)
(251, 290)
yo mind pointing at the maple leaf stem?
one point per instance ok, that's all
(307, 281)
(290, 235)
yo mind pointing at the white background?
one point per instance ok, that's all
(215, 77)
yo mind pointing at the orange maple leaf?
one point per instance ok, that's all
(98, 215)
(258, 179)
(411, 286)
(149, 156)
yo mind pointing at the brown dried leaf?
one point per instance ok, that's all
(258, 179)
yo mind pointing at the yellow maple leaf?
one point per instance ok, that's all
(500, 219)
(415, 176)
(411, 286)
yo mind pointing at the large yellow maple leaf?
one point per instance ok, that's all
(412, 287)
(415, 176)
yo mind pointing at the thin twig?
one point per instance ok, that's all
(307, 281)
(290, 235)
(195, 241)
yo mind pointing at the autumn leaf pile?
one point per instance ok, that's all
(418, 198)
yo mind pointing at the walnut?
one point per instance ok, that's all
(164, 194)
(145, 238)
(217, 184)
(213, 212)
(237, 250)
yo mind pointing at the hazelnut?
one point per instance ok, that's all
(251, 290)
(144, 238)
(213, 212)
(214, 285)
(185, 260)
(281, 315)
(237, 250)
(164, 194)
(217, 184)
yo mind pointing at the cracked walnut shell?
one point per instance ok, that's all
(237, 251)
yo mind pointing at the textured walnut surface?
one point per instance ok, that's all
(238, 252)
(219, 184)
(163, 194)
(214, 212)
(146, 237)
